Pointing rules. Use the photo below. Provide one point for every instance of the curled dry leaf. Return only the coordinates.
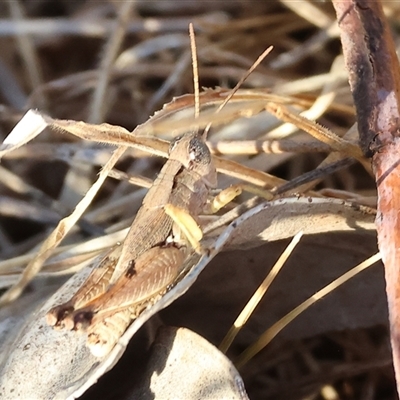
(283, 218)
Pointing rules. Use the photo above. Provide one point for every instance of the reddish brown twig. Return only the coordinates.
(375, 83)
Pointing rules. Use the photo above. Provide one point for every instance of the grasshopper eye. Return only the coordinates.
(199, 152)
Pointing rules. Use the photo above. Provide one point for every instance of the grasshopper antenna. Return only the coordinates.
(240, 83)
(195, 71)
(244, 77)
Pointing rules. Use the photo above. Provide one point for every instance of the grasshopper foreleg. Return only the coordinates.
(224, 197)
(188, 225)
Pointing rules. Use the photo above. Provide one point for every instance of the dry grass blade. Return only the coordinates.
(258, 295)
(319, 132)
(270, 334)
(195, 67)
(251, 175)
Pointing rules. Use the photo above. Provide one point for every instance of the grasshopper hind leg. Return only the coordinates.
(57, 315)
(106, 318)
(103, 335)
(94, 286)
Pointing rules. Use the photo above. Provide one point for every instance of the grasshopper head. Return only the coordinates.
(191, 151)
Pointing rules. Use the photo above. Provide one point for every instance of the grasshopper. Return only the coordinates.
(132, 276)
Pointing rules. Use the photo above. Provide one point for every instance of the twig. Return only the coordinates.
(375, 83)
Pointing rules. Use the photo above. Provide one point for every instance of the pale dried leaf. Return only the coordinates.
(183, 365)
(30, 126)
(283, 218)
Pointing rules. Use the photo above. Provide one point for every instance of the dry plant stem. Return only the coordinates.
(256, 63)
(269, 334)
(316, 174)
(195, 66)
(273, 146)
(59, 233)
(318, 131)
(170, 82)
(98, 110)
(95, 28)
(310, 46)
(368, 47)
(28, 51)
(10, 89)
(258, 295)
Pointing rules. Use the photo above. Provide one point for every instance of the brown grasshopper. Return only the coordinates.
(132, 276)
